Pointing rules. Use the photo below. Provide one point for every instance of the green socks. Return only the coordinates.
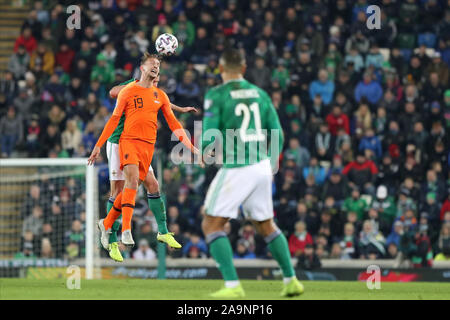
(156, 204)
(116, 225)
(279, 248)
(220, 249)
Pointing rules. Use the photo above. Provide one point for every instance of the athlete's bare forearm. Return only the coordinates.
(114, 92)
(174, 107)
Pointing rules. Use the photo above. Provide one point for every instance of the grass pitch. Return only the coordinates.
(136, 289)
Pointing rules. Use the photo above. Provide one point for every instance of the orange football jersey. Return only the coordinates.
(141, 106)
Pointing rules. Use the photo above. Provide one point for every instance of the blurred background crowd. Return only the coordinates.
(366, 115)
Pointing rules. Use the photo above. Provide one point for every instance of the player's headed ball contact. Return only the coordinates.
(166, 44)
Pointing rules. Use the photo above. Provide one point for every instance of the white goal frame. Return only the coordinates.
(91, 187)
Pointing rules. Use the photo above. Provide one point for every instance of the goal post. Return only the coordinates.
(17, 175)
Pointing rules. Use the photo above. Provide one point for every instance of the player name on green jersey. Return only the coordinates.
(115, 137)
(240, 119)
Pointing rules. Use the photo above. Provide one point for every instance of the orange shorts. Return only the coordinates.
(136, 152)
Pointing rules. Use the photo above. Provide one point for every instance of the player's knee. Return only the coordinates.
(152, 185)
(116, 188)
(204, 226)
(132, 182)
(207, 226)
(266, 227)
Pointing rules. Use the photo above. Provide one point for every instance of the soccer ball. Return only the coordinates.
(166, 44)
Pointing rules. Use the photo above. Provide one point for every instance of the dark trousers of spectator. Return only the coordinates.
(8, 143)
(33, 147)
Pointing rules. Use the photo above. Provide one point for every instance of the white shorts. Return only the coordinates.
(112, 152)
(249, 186)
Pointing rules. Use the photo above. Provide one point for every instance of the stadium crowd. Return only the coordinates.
(366, 115)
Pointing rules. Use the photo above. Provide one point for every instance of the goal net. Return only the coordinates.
(48, 209)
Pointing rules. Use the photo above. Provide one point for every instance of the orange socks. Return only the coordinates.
(114, 213)
(128, 201)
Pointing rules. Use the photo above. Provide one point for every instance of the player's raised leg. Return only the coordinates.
(131, 172)
(278, 246)
(114, 252)
(117, 181)
(221, 251)
(105, 224)
(156, 204)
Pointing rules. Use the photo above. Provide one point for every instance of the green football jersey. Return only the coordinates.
(243, 117)
(119, 129)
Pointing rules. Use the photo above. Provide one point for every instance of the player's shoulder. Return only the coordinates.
(161, 92)
(128, 82)
(261, 92)
(130, 87)
(216, 90)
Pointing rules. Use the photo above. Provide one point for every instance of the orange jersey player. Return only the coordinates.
(140, 102)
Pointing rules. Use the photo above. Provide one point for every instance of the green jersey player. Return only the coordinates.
(117, 180)
(243, 117)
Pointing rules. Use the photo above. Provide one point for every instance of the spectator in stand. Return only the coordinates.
(46, 249)
(322, 87)
(384, 204)
(259, 74)
(299, 239)
(188, 90)
(144, 252)
(308, 260)
(431, 207)
(49, 140)
(195, 242)
(18, 62)
(27, 247)
(64, 57)
(26, 40)
(71, 138)
(371, 242)
(443, 244)
(348, 243)
(8, 90)
(75, 240)
(42, 59)
(103, 72)
(32, 136)
(324, 143)
(355, 204)
(298, 153)
(336, 120)
(445, 206)
(33, 222)
(242, 250)
(368, 89)
(161, 27)
(363, 118)
(11, 132)
(438, 66)
(316, 170)
(336, 187)
(361, 173)
(371, 142)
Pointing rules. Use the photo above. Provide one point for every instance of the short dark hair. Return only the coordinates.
(232, 59)
(147, 56)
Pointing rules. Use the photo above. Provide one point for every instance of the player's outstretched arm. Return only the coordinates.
(177, 128)
(109, 128)
(183, 109)
(114, 92)
(106, 133)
